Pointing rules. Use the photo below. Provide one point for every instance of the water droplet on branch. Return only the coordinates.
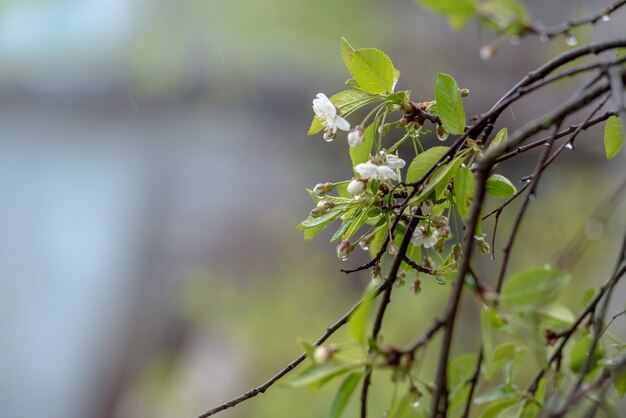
(571, 40)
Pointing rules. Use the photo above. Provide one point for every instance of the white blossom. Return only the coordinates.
(327, 112)
(424, 236)
(381, 168)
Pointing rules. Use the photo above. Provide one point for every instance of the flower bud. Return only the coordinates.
(344, 249)
(427, 207)
(316, 212)
(487, 52)
(355, 136)
(437, 221)
(457, 252)
(483, 246)
(321, 189)
(489, 295)
(464, 92)
(444, 232)
(442, 134)
(329, 135)
(324, 353)
(416, 286)
(376, 275)
(551, 336)
(392, 248)
(364, 243)
(417, 125)
(384, 129)
(356, 187)
(325, 205)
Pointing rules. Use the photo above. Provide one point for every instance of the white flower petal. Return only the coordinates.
(394, 161)
(384, 172)
(430, 241)
(341, 123)
(366, 170)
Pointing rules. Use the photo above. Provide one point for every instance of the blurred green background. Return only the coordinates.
(153, 163)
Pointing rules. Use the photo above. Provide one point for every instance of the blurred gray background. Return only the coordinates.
(153, 161)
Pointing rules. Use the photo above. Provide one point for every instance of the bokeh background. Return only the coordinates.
(153, 161)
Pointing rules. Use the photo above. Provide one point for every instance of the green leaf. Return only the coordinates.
(530, 288)
(377, 242)
(441, 177)
(361, 153)
(309, 349)
(423, 162)
(494, 410)
(500, 186)
(316, 375)
(506, 16)
(355, 214)
(580, 351)
(450, 171)
(489, 320)
(587, 296)
(501, 354)
(372, 70)
(559, 314)
(458, 12)
(403, 408)
(508, 357)
(347, 52)
(495, 394)
(357, 323)
(358, 223)
(464, 185)
(531, 410)
(461, 370)
(312, 226)
(449, 104)
(348, 101)
(343, 394)
(501, 136)
(399, 97)
(613, 137)
(316, 126)
(619, 381)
